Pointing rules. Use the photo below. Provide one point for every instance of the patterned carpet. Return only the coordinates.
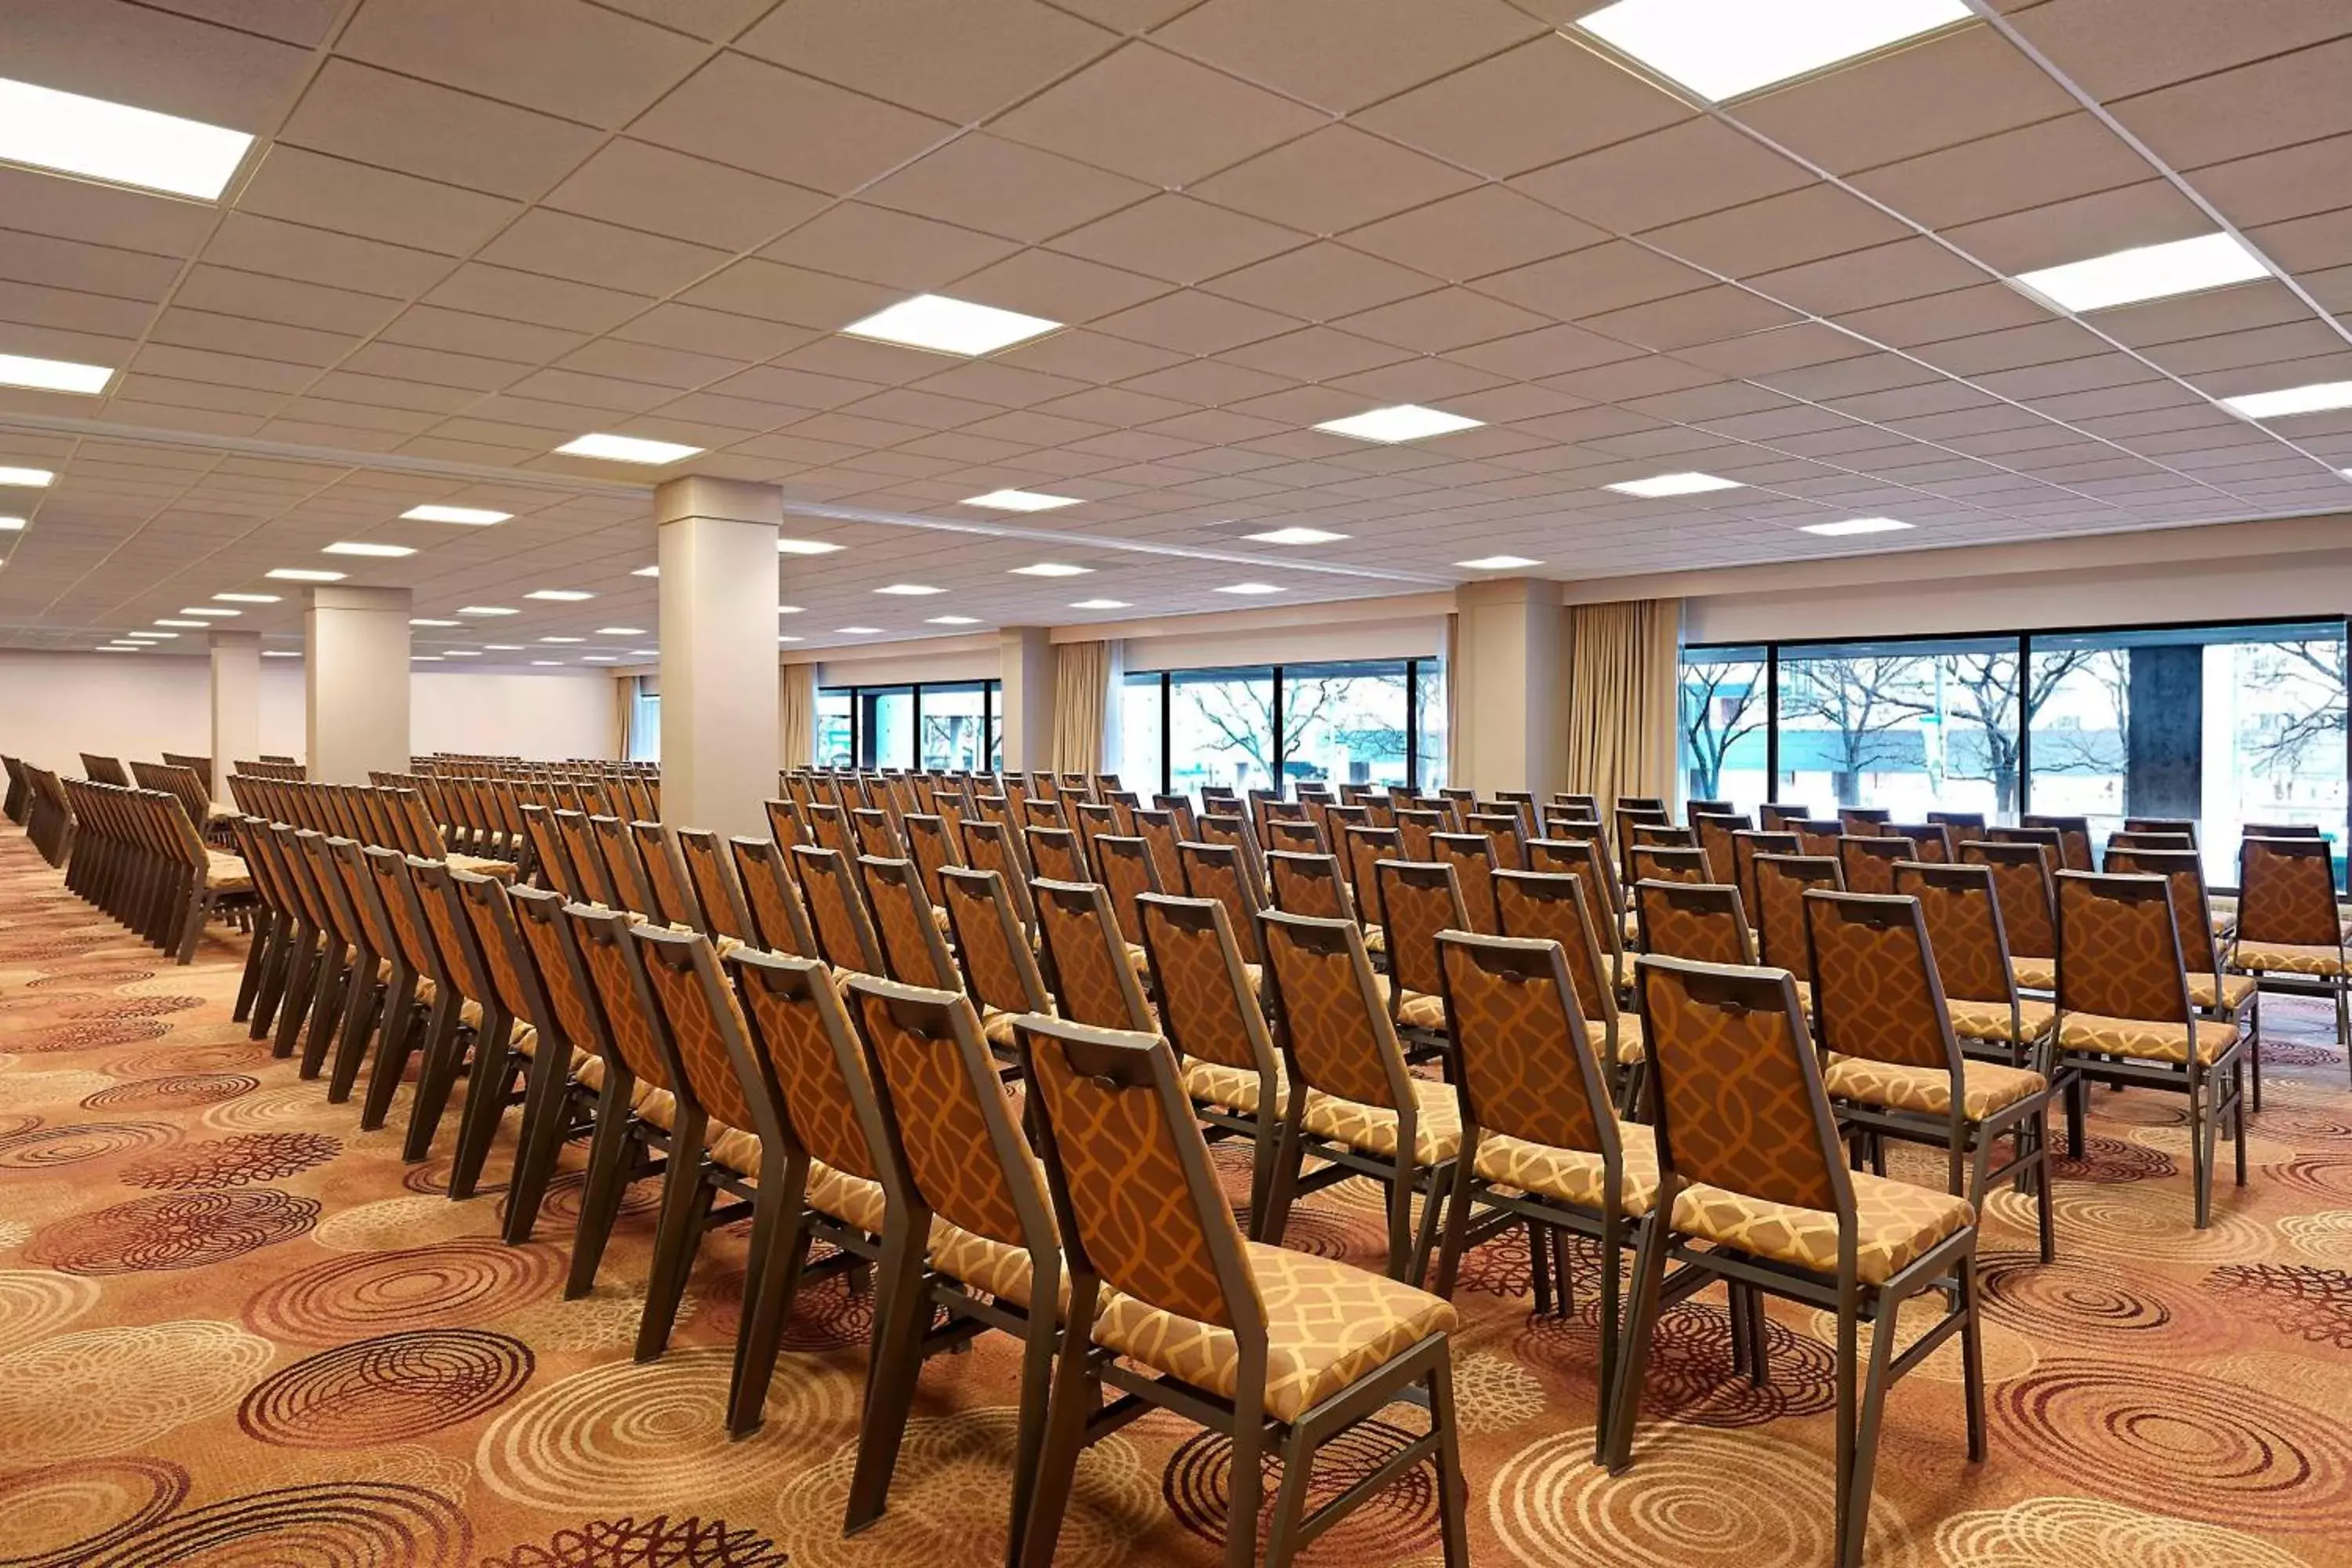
(234, 1330)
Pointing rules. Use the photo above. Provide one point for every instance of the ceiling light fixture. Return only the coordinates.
(1019, 500)
(600, 658)
(626, 449)
(1405, 422)
(781, 639)
(192, 626)
(207, 610)
(421, 621)
(949, 326)
(423, 659)
(909, 590)
(302, 575)
(1052, 569)
(858, 631)
(118, 647)
(564, 639)
(488, 610)
(953, 621)
(788, 609)
(504, 647)
(646, 572)
(1672, 485)
(797, 547)
(558, 595)
(2145, 272)
(1298, 536)
(1102, 605)
(1249, 588)
(2317, 398)
(361, 547)
(463, 652)
(1853, 525)
(546, 663)
(281, 653)
(247, 598)
(113, 142)
(1722, 48)
(620, 631)
(12, 525)
(473, 516)
(28, 478)
(1499, 563)
(54, 374)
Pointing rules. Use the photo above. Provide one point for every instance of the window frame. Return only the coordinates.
(1412, 666)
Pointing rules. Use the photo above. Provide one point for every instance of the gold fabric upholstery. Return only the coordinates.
(2035, 974)
(2227, 992)
(1985, 1086)
(1236, 1088)
(1574, 1176)
(1992, 1020)
(2144, 1040)
(2283, 958)
(1373, 1128)
(654, 1104)
(998, 1267)
(226, 873)
(1895, 1223)
(1631, 1047)
(1414, 1010)
(483, 866)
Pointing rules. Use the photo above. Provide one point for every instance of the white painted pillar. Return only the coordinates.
(1027, 700)
(355, 673)
(721, 687)
(236, 705)
(1509, 712)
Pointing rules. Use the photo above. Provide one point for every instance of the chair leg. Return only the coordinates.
(1434, 1199)
(608, 1177)
(1457, 1231)
(2238, 1114)
(1541, 1266)
(771, 1279)
(1453, 1494)
(1287, 1161)
(2044, 1221)
(1266, 1146)
(1972, 1355)
(392, 1050)
(294, 996)
(1853, 1513)
(444, 1053)
(546, 1117)
(1612, 1242)
(902, 1310)
(1282, 1540)
(2202, 1130)
(488, 1088)
(1246, 1486)
(686, 1189)
(1037, 1347)
(361, 1020)
(1625, 1399)
(1074, 1398)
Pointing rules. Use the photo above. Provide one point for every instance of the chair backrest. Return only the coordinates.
(658, 857)
(1472, 857)
(913, 950)
(772, 896)
(1218, 871)
(1333, 1031)
(1504, 838)
(616, 976)
(812, 1056)
(2182, 824)
(2074, 838)
(991, 847)
(1415, 824)
(1781, 883)
(1930, 841)
(1586, 859)
(1962, 915)
(991, 945)
(1208, 1008)
(828, 827)
(932, 842)
(2286, 892)
(845, 933)
(711, 875)
(2191, 912)
(2119, 948)
(587, 860)
(1364, 846)
(703, 1027)
(1744, 848)
(105, 770)
(1526, 1069)
(552, 949)
(488, 908)
(1816, 836)
(1084, 958)
(1418, 899)
(1234, 829)
(1288, 835)
(2049, 840)
(1775, 817)
(1868, 861)
(1310, 884)
(1875, 990)
(1736, 1087)
(1864, 821)
(1123, 865)
(1551, 906)
(1115, 1124)
(1704, 922)
(624, 868)
(1160, 833)
(1663, 863)
(1963, 824)
(2141, 838)
(1716, 829)
(876, 833)
(2021, 881)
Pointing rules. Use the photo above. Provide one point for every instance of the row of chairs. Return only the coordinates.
(136, 854)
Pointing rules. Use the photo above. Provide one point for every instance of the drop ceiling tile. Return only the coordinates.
(592, 391)
(1488, 229)
(1941, 318)
(1046, 284)
(1178, 239)
(1087, 355)
(1701, 317)
(1697, 166)
(527, 297)
(2278, 102)
(1503, 116)
(1320, 281)
(642, 186)
(557, 245)
(1774, 349)
(42, 203)
(2311, 243)
(879, 246)
(1218, 426)
(1427, 381)
(793, 128)
(1345, 53)
(1000, 385)
(1028, 428)
(1196, 323)
(1146, 113)
(2242, 308)
(986, 183)
(1336, 179)
(395, 123)
(314, 255)
(197, 365)
(2289, 342)
(2046, 342)
(799, 388)
(2107, 47)
(2149, 213)
(1207, 384)
(174, 65)
(559, 56)
(793, 295)
(960, 59)
(1442, 320)
(2033, 165)
(2037, 383)
(1847, 377)
(1591, 281)
(729, 413)
(35, 305)
(714, 20)
(1882, 274)
(422, 346)
(1315, 353)
(1553, 351)
(699, 331)
(233, 334)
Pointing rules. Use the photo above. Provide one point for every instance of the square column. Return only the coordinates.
(236, 705)
(1027, 672)
(355, 677)
(1509, 714)
(715, 541)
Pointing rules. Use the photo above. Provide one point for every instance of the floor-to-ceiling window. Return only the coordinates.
(1347, 723)
(1221, 730)
(1141, 764)
(837, 728)
(2220, 724)
(954, 727)
(1375, 721)
(940, 726)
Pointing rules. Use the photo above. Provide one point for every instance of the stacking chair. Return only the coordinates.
(1930, 841)
(876, 833)
(717, 892)
(1717, 831)
(1418, 899)
(1816, 836)
(2140, 838)
(990, 847)
(269, 948)
(909, 928)
(771, 899)
(1541, 1140)
(1414, 826)
(1752, 1179)
(1161, 835)
(1057, 854)
(1587, 861)
(1234, 831)
(1972, 951)
(483, 1038)
(2021, 881)
(1472, 857)
(580, 847)
(844, 932)
(991, 948)
(624, 868)
(1744, 848)
(373, 974)
(2049, 840)
(1864, 821)
(1546, 906)
(1961, 824)
(1291, 836)
(2212, 991)
(1222, 872)
(1503, 837)
(1310, 884)
(1894, 1066)
(1123, 865)
(668, 888)
(1352, 1102)
(2125, 1016)
(1868, 861)
(1667, 863)
(2290, 930)
(1275, 1349)
(1210, 1013)
(2074, 839)
(1704, 922)
(419, 1007)
(1083, 958)
(1776, 817)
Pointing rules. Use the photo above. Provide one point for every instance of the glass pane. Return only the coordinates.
(888, 732)
(952, 738)
(2223, 725)
(996, 726)
(1726, 712)
(833, 735)
(1221, 727)
(1907, 726)
(644, 729)
(1139, 760)
(1430, 675)
(1344, 723)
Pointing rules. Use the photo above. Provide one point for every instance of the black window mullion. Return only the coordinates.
(1281, 759)
(2025, 724)
(1772, 722)
(1412, 726)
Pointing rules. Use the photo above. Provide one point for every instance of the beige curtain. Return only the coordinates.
(1622, 672)
(1085, 682)
(625, 715)
(797, 726)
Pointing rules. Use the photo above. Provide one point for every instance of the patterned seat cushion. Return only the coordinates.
(658, 1105)
(1326, 1324)
(1376, 939)
(226, 873)
(1417, 1010)
(998, 1267)
(1992, 1020)
(1895, 1223)
(483, 866)
(2226, 991)
(1372, 1129)
(1630, 1047)
(996, 1028)
(1574, 1176)
(853, 1200)
(2144, 1040)
(1236, 1088)
(2281, 958)
(1985, 1086)
(2034, 974)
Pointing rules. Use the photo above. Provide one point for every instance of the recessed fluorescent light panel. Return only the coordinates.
(1405, 422)
(620, 631)
(564, 639)
(247, 598)
(303, 574)
(207, 610)
(646, 572)
(1499, 563)
(1020, 500)
(1052, 569)
(12, 524)
(420, 621)
(788, 610)
(783, 638)
(1298, 536)
(190, 626)
(1249, 588)
(488, 610)
(559, 595)
(504, 647)
(1672, 485)
(54, 374)
(1102, 605)
(462, 652)
(626, 449)
(2317, 398)
(783, 547)
(950, 326)
(28, 478)
(361, 547)
(2145, 272)
(858, 631)
(953, 621)
(545, 663)
(1722, 48)
(911, 590)
(281, 653)
(89, 136)
(473, 516)
(1846, 526)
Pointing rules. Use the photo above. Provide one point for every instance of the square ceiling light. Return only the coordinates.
(1847, 526)
(620, 631)
(474, 516)
(113, 142)
(1102, 605)
(207, 610)
(626, 449)
(1298, 536)
(247, 598)
(302, 575)
(1250, 589)
(362, 547)
(949, 326)
(488, 610)
(12, 525)
(558, 595)
(1405, 422)
(1051, 569)
(1659, 484)
(1722, 48)
(852, 631)
(1020, 501)
(2317, 398)
(952, 621)
(1499, 563)
(423, 621)
(28, 478)
(911, 590)
(783, 547)
(54, 374)
(2145, 272)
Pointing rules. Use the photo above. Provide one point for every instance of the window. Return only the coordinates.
(942, 724)
(1429, 690)
(1726, 706)
(1905, 726)
(1346, 723)
(1375, 721)
(836, 731)
(1142, 732)
(1221, 730)
(645, 722)
(954, 727)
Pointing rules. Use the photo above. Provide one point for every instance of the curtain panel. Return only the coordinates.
(1086, 677)
(1623, 665)
(796, 727)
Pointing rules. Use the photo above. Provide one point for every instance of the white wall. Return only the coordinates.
(54, 706)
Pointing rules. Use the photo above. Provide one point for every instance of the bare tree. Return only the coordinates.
(1723, 703)
(2066, 745)
(1980, 691)
(1859, 704)
(2311, 672)
(1240, 712)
